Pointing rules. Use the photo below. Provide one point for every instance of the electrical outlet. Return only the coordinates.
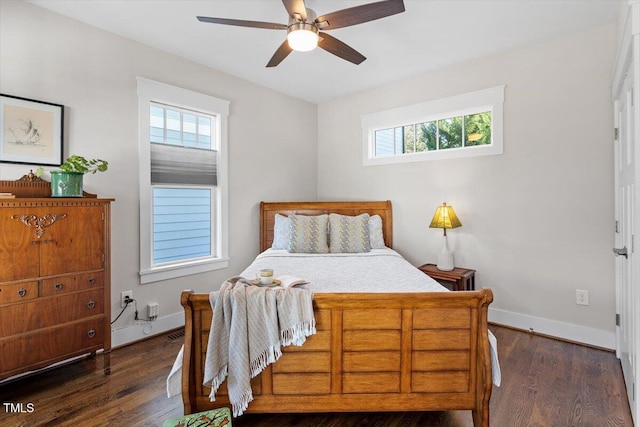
(123, 296)
(582, 297)
(153, 309)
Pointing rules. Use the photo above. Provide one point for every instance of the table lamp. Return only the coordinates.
(445, 218)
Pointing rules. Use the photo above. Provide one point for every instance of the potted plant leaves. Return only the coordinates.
(67, 181)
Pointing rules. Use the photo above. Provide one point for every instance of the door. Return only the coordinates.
(627, 295)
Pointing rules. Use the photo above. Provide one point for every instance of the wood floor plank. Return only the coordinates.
(545, 382)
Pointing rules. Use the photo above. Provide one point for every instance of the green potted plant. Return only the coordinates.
(67, 182)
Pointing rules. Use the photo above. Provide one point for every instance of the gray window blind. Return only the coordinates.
(171, 164)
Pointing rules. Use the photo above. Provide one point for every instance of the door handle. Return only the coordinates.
(622, 251)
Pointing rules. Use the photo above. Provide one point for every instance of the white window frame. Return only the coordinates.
(491, 99)
(152, 91)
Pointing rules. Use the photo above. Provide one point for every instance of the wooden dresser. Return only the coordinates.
(54, 281)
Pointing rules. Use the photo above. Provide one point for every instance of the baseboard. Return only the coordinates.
(145, 329)
(554, 328)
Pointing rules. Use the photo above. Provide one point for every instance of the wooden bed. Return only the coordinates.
(372, 352)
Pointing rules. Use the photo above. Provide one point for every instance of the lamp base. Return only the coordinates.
(445, 257)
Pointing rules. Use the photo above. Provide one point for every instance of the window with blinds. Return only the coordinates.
(183, 178)
(184, 214)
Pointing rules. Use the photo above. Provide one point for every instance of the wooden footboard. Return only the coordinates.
(372, 352)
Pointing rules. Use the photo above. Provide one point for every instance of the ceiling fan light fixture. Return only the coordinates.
(302, 36)
(306, 30)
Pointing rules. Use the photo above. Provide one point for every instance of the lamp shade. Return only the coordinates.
(445, 217)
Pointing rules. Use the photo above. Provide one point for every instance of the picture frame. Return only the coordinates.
(31, 131)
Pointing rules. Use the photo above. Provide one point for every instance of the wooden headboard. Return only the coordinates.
(268, 211)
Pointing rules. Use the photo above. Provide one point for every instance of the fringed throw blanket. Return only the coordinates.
(249, 326)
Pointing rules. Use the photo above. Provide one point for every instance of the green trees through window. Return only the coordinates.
(443, 134)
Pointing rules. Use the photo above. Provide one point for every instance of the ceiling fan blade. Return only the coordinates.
(296, 7)
(359, 14)
(243, 23)
(338, 48)
(282, 52)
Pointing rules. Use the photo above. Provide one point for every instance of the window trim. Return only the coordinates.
(491, 99)
(152, 91)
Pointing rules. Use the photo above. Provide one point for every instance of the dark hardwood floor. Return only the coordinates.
(544, 383)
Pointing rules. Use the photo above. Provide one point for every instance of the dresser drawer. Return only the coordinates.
(44, 312)
(71, 282)
(42, 347)
(17, 292)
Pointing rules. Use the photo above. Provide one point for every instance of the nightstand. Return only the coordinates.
(458, 279)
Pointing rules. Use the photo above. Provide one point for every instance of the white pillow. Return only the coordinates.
(281, 232)
(375, 232)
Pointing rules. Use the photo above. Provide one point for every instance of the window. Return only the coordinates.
(453, 132)
(461, 126)
(183, 194)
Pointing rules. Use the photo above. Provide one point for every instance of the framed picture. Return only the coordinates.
(31, 131)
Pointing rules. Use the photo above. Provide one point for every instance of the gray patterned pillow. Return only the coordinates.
(349, 233)
(281, 232)
(375, 232)
(309, 234)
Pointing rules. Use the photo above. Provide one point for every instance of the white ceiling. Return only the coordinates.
(429, 35)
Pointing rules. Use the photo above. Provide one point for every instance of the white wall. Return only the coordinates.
(537, 220)
(48, 57)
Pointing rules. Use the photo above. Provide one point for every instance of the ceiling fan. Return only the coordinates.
(304, 27)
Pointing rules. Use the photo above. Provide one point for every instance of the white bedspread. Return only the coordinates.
(381, 270)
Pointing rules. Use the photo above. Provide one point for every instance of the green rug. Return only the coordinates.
(220, 417)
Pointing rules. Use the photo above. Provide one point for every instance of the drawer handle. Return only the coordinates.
(91, 304)
(58, 286)
(22, 292)
(91, 281)
(91, 333)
